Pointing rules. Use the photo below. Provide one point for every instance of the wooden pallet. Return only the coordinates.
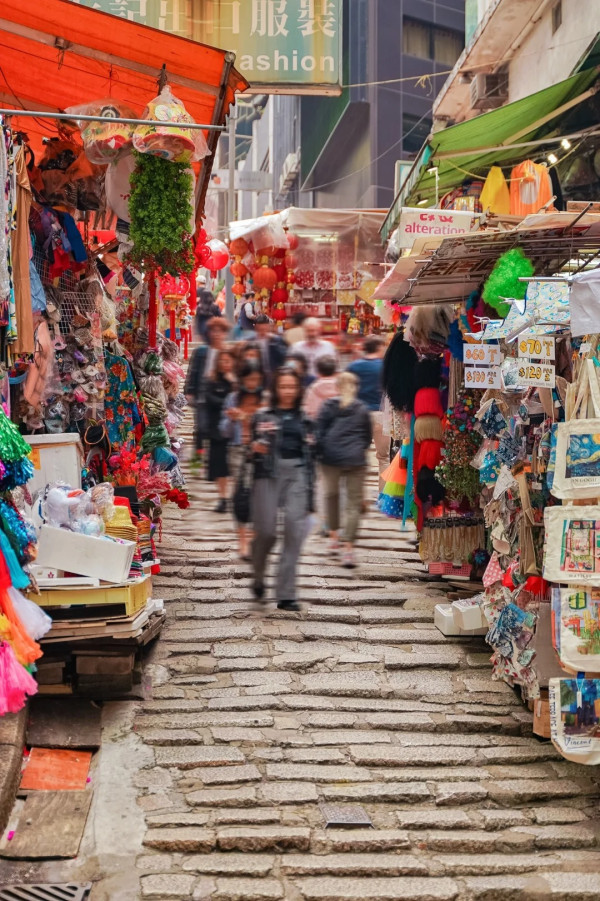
(127, 599)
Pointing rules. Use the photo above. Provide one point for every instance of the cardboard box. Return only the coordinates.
(541, 716)
(468, 615)
(84, 555)
(444, 620)
(134, 596)
(55, 458)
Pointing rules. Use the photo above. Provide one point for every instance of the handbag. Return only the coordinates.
(572, 545)
(242, 495)
(577, 465)
(575, 718)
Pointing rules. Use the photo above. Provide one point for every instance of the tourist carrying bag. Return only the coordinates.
(575, 718)
(577, 466)
(572, 545)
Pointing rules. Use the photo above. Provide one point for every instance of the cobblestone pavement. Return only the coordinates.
(258, 719)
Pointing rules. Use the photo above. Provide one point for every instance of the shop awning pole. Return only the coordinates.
(70, 117)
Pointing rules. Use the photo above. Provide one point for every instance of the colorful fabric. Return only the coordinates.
(121, 408)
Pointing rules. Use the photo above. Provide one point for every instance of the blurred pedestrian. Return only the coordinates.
(202, 363)
(249, 352)
(247, 316)
(298, 361)
(314, 346)
(283, 479)
(236, 426)
(343, 437)
(220, 383)
(272, 348)
(369, 371)
(323, 388)
(206, 310)
(297, 332)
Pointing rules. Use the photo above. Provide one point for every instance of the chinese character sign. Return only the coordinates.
(279, 44)
(164, 14)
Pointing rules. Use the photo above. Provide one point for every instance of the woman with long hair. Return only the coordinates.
(283, 480)
(236, 426)
(344, 434)
(219, 385)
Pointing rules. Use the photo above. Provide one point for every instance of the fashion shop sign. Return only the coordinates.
(418, 223)
(281, 46)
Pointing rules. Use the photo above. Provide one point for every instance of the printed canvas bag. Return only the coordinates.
(572, 545)
(575, 718)
(577, 466)
(579, 629)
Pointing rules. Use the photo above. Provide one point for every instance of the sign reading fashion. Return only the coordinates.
(280, 45)
(418, 223)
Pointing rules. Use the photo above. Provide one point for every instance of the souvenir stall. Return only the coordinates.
(91, 384)
(325, 263)
(508, 491)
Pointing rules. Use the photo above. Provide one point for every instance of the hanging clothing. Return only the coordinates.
(530, 188)
(121, 409)
(21, 252)
(495, 196)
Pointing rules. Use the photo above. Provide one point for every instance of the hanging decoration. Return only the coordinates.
(504, 281)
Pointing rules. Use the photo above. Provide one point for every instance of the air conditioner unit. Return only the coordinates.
(489, 91)
(289, 172)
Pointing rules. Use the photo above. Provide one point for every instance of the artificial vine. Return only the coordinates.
(159, 206)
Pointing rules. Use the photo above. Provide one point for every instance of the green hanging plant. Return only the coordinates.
(159, 206)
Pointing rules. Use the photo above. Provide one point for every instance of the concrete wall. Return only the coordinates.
(543, 58)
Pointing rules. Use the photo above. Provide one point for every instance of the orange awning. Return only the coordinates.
(55, 54)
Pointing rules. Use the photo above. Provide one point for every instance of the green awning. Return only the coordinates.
(472, 147)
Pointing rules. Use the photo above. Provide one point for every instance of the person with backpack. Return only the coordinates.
(206, 310)
(344, 434)
(202, 363)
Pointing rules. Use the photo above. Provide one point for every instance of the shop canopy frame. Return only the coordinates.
(504, 137)
(55, 54)
(448, 270)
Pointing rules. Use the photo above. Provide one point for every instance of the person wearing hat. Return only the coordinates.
(202, 364)
(247, 316)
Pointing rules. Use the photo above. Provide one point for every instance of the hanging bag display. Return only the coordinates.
(572, 544)
(577, 466)
(575, 718)
(579, 629)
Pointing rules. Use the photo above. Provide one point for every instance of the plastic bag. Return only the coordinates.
(118, 188)
(180, 145)
(36, 622)
(104, 141)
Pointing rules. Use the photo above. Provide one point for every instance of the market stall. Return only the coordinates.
(106, 140)
(325, 263)
(497, 394)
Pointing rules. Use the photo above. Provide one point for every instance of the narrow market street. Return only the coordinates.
(257, 721)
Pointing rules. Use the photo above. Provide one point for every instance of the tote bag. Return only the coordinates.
(575, 718)
(577, 466)
(579, 629)
(572, 545)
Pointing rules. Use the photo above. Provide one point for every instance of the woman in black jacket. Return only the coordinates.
(219, 385)
(344, 435)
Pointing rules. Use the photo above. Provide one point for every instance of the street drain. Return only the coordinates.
(46, 892)
(350, 816)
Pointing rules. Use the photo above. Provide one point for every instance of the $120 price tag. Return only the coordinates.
(540, 375)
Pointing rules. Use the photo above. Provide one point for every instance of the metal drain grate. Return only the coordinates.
(45, 892)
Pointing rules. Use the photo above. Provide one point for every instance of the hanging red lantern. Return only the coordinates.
(265, 278)
(238, 289)
(219, 255)
(238, 247)
(293, 241)
(238, 269)
(291, 261)
(279, 295)
(281, 272)
(278, 313)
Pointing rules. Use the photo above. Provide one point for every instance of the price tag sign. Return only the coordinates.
(538, 375)
(483, 377)
(538, 348)
(482, 355)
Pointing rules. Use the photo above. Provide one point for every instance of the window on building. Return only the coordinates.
(415, 132)
(428, 41)
(556, 16)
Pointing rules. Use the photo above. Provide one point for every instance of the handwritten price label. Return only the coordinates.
(483, 377)
(482, 355)
(537, 375)
(538, 348)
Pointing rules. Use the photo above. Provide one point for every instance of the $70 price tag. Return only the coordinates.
(540, 348)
